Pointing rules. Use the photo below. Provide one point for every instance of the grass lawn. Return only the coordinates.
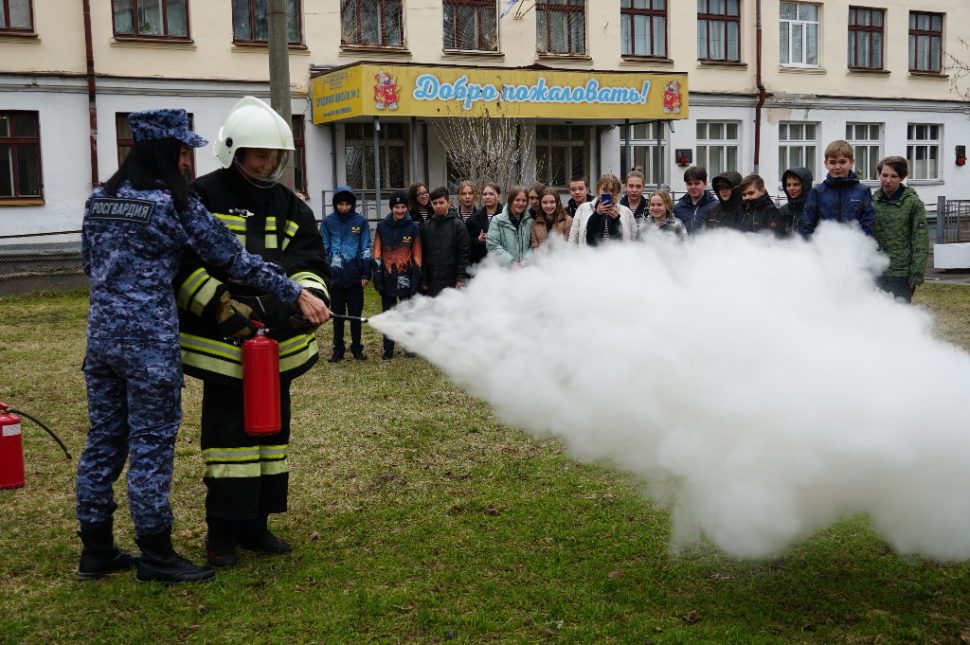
(417, 517)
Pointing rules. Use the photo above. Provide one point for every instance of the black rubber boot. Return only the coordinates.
(99, 555)
(220, 542)
(254, 535)
(159, 561)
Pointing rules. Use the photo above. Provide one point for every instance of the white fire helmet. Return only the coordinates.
(251, 123)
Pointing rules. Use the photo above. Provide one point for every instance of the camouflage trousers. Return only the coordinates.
(134, 404)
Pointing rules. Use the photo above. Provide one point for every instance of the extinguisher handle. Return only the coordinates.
(4, 407)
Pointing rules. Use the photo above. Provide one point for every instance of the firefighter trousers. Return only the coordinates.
(245, 476)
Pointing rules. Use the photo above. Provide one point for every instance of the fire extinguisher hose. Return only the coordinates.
(48, 430)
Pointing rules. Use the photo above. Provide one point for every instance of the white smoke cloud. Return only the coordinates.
(761, 389)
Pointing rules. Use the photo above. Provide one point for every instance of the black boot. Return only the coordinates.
(255, 536)
(220, 542)
(99, 555)
(160, 562)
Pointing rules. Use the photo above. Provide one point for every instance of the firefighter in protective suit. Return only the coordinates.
(246, 477)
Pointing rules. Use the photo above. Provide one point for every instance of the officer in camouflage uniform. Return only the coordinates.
(247, 477)
(135, 227)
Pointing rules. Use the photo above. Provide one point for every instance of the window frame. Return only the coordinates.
(859, 32)
(725, 19)
(803, 27)
(297, 13)
(15, 141)
(570, 144)
(133, 7)
(703, 143)
(544, 10)
(647, 148)
(628, 23)
(868, 150)
(359, 6)
(366, 143)
(803, 143)
(298, 126)
(126, 142)
(15, 31)
(915, 34)
(930, 144)
(452, 41)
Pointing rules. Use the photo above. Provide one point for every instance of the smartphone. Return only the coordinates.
(606, 199)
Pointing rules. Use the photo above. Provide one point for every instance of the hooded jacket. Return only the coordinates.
(726, 213)
(507, 242)
(346, 241)
(694, 215)
(397, 257)
(476, 224)
(900, 229)
(791, 213)
(840, 199)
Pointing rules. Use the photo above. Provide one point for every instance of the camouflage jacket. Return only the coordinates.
(900, 229)
(131, 247)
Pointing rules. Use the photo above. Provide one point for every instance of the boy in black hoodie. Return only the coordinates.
(726, 213)
(759, 211)
(796, 182)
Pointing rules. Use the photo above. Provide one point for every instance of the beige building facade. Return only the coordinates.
(873, 72)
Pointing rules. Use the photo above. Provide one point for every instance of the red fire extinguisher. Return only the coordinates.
(12, 448)
(261, 384)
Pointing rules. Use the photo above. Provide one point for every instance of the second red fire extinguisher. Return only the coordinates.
(261, 384)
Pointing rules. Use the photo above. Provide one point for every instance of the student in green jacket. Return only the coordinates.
(900, 229)
(510, 234)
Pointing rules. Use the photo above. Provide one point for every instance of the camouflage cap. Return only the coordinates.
(161, 124)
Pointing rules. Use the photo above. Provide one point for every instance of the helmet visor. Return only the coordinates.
(264, 166)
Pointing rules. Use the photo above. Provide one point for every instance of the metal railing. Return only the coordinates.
(952, 220)
(41, 262)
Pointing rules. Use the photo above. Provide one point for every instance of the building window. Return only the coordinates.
(644, 27)
(865, 38)
(359, 155)
(643, 151)
(166, 18)
(20, 155)
(797, 145)
(299, 156)
(16, 15)
(125, 142)
(560, 154)
(561, 26)
(798, 35)
(925, 41)
(250, 23)
(923, 150)
(471, 25)
(719, 31)
(371, 22)
(866, 140)
(718, 145)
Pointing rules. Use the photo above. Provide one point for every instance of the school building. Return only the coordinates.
(596, 86)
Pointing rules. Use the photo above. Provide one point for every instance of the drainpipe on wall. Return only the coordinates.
(762, 94)
(92, 93)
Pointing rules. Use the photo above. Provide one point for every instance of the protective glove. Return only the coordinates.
(233, 318)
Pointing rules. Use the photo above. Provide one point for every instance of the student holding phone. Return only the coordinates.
(604, 219)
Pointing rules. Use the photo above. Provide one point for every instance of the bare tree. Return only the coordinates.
(485, 149)
(958, 67)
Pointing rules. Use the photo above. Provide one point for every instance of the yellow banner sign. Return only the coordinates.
(366, 89)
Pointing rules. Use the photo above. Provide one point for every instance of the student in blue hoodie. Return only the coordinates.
(346, 242)
(841, 197)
